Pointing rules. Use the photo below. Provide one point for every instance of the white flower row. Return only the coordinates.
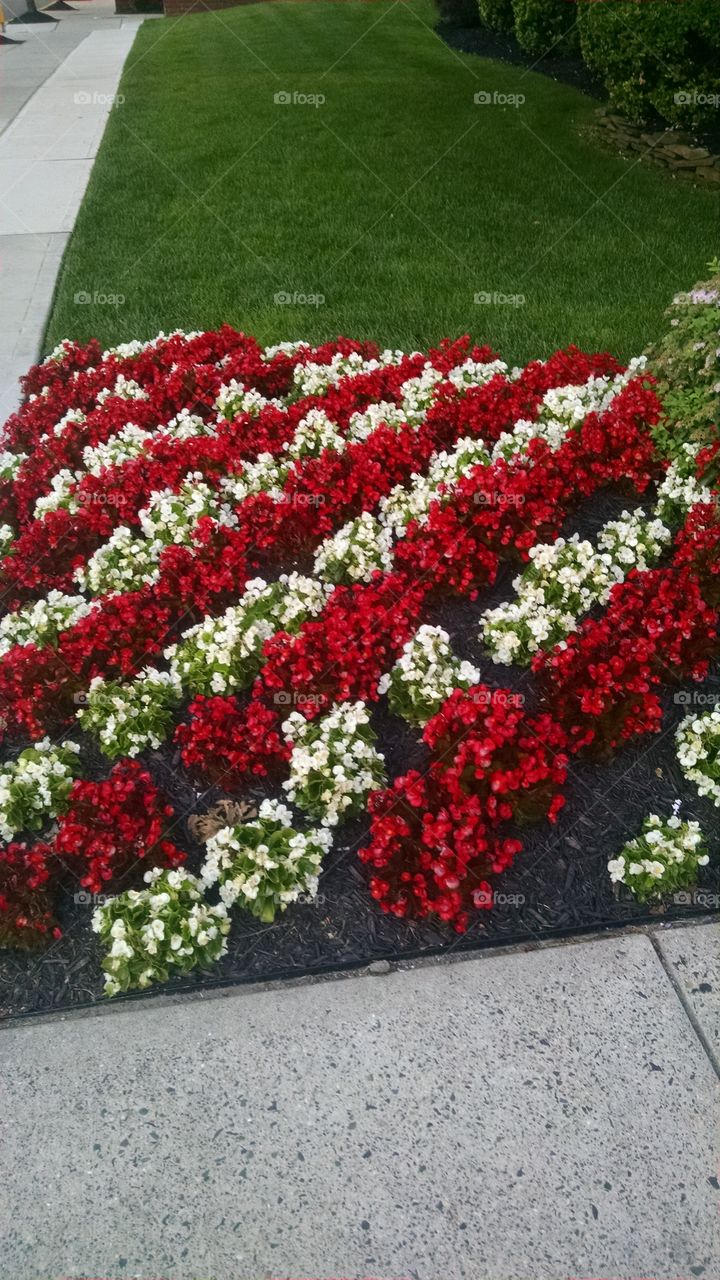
(221, 655)
(359, 549)
(42, 622)
(265, 864)
(127, 718)
(333, 765)
(565, 579)
(171, 516)
(698, 752)
(35, 786)
(167, 927)
(425, 675)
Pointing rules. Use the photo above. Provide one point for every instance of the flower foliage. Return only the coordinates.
(236, 552)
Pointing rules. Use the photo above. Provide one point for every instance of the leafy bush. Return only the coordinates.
(659, 58)
(496, 14)
(685, 361)
(544, 26)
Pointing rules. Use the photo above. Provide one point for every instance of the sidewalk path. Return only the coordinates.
(516, 1116)
(56, 91)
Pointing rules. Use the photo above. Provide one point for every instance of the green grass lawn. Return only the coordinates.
(398, 199)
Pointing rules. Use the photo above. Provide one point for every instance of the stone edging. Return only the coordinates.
(670, 147)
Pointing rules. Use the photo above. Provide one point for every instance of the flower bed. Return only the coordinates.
(428, 601)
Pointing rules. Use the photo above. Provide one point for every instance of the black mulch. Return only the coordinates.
(558, 886)
(505, 48)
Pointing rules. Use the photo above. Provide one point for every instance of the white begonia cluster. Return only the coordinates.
(7, 537)
(10, 464)
(474, 373)
(127, 443)
(35, 786)
(565, 579)
(562, 410)
(312, 379)
(513, 444)
(265, 864)
(663, 858)
(418, 393)
(128, 717)
(446, 468)
(680, 490)
(124, 388)
(383, 413)
(698, 752)
(313, 433)
(234, 397)
(221, 655)
(283, 348)
(187, 426)
(73, 418)
(166, 928)
(264, 475)
(125, 562)
(60, 493)
(171, 516)
(333, 764)
(425, 675)
(359, 549)
(41, 623)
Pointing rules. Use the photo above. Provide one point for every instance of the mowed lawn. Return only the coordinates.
(381, 199)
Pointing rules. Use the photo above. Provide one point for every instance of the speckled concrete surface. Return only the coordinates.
(533, 1116)
(693, 954)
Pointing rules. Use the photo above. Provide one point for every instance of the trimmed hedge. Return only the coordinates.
(546, 26)
(656, 56)
(496, 14)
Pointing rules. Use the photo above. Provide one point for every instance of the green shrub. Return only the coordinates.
(496, 14)
(545, 26)
(656, 56)
(687, 367)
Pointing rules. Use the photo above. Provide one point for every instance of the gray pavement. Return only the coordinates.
(57, 89)
(534, 1115)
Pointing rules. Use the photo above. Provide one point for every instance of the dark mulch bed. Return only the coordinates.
(558, 886)
(505, 48)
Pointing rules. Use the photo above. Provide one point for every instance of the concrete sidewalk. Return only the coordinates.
(57, 89)
(533, 1115)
